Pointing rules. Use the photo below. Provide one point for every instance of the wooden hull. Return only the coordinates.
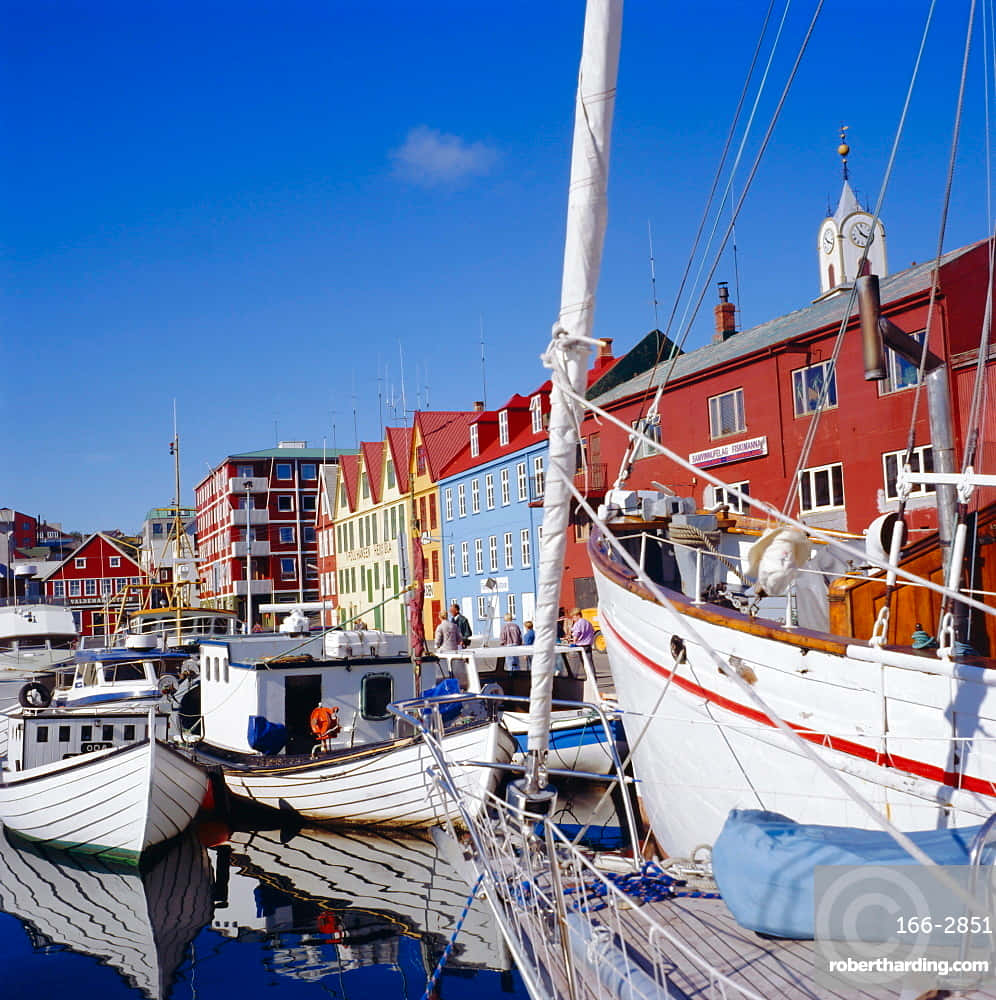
(386, 783)
(908, 730)
(114, 803)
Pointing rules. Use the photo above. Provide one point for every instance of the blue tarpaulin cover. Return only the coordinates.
(763, 864)
(265, 736)
(449, 685)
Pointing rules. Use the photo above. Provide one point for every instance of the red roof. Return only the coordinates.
(373, 462)
(520, 435)
(444, 433)
(399, 440)
(349, 466)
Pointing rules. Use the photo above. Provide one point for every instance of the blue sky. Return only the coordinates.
(253, 209)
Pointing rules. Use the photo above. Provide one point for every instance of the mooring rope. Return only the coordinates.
(444, 958)
(650, 884)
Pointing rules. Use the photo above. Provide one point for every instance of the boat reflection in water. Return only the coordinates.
(140, 921)
(330, 901)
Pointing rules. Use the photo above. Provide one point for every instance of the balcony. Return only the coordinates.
(258, 587)
(238, 517)
(238, 484)
(238, 550)
(594, 481)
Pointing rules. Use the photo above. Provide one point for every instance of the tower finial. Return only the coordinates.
(843, 149)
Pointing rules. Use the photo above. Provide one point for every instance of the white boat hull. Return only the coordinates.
(386, 783)
(702, 746)
(114, 803)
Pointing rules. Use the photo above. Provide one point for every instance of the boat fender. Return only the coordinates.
(325, 722)
(34, 695)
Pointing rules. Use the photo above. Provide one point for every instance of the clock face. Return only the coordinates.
(828, 240)
(861, 234)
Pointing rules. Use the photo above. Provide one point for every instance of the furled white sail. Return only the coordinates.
(569, 350)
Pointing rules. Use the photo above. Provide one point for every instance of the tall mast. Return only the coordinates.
(568, 353)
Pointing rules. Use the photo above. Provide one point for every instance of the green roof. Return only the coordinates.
(321, 453)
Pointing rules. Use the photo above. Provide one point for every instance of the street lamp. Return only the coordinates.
(247, 486)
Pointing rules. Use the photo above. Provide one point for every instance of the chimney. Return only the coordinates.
(726, 316)
(605, 347)
(479, 406)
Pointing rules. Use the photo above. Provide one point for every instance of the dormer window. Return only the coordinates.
(503, 427)
(475, 446)
(536, 412)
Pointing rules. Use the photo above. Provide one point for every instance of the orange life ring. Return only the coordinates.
(325, 722)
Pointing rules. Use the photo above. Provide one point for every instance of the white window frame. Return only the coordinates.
(462, 500)
(448, 502)
(475, 441)
(510, 605)
(503, 427)
(723, 422)
(451, 559)
(475, 496)
(285, 534)
(482, 608)
(289, 498)
(74, 588)
(114, 561)
(290, 574)
(58, 588)
(478, 555)
(90, 587)
(536, 413)
(106, 586)
(916, 465)
(539, 476)
(651, 428)
(898, 369)
(509, 551)
(506, 493)
(808, 481)
(522, 480)
(465, 558)
(720, 495)
(489, 490)
(804, 396)
(80, 562)
(289, 466)
(526, 547)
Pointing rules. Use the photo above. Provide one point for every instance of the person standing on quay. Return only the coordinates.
(582, 632)
(461, 623)
(447, 638)
(511, 635)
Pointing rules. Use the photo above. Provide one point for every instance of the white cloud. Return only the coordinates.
(429, 156)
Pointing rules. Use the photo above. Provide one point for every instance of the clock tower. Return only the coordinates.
(851, 242)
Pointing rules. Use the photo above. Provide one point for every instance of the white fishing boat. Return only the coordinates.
(36, 637)
(301, 723)
(139, 921)
(581, 738)
(103, 782)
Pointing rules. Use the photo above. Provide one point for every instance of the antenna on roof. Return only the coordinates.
(653, 276)
(356, 429)
(404, 399)
(484, 373)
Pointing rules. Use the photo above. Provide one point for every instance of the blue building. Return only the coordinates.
(489, 499)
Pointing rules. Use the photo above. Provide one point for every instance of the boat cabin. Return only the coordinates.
(101, 676)
(37, 737)
(35, 636)
(258, 692)
(178, 628)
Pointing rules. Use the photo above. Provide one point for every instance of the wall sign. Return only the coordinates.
(726, 453)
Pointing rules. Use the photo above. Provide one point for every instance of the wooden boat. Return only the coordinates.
(99, 782)
(259, 696)
(579, 740)
(140, 921)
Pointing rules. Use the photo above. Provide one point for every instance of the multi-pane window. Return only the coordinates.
(391, 480)
(506, 497)
(493, 552)
(74, 588)
(464, 558)
(451, 559)
(106, 587)
(524, 543)
(489, 490)
(478, 555)
(448, 503)
(821, 488)
(651, 428)
(814, 388)
(900, 373)
(726, 414)
(503, 427)
(482, 609)
(286, 536)
(510, 604)
(59, 588)
(288, 569)
(509, 552)
(115, 562)
(475, 441)
(475, 496)
(90, 588)
(80, 563)
(521, 481)
(922, 460)
(536, 413)
(364, 484)
(462, 500)
(539, 480)
(722, 496)
(245, 471)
